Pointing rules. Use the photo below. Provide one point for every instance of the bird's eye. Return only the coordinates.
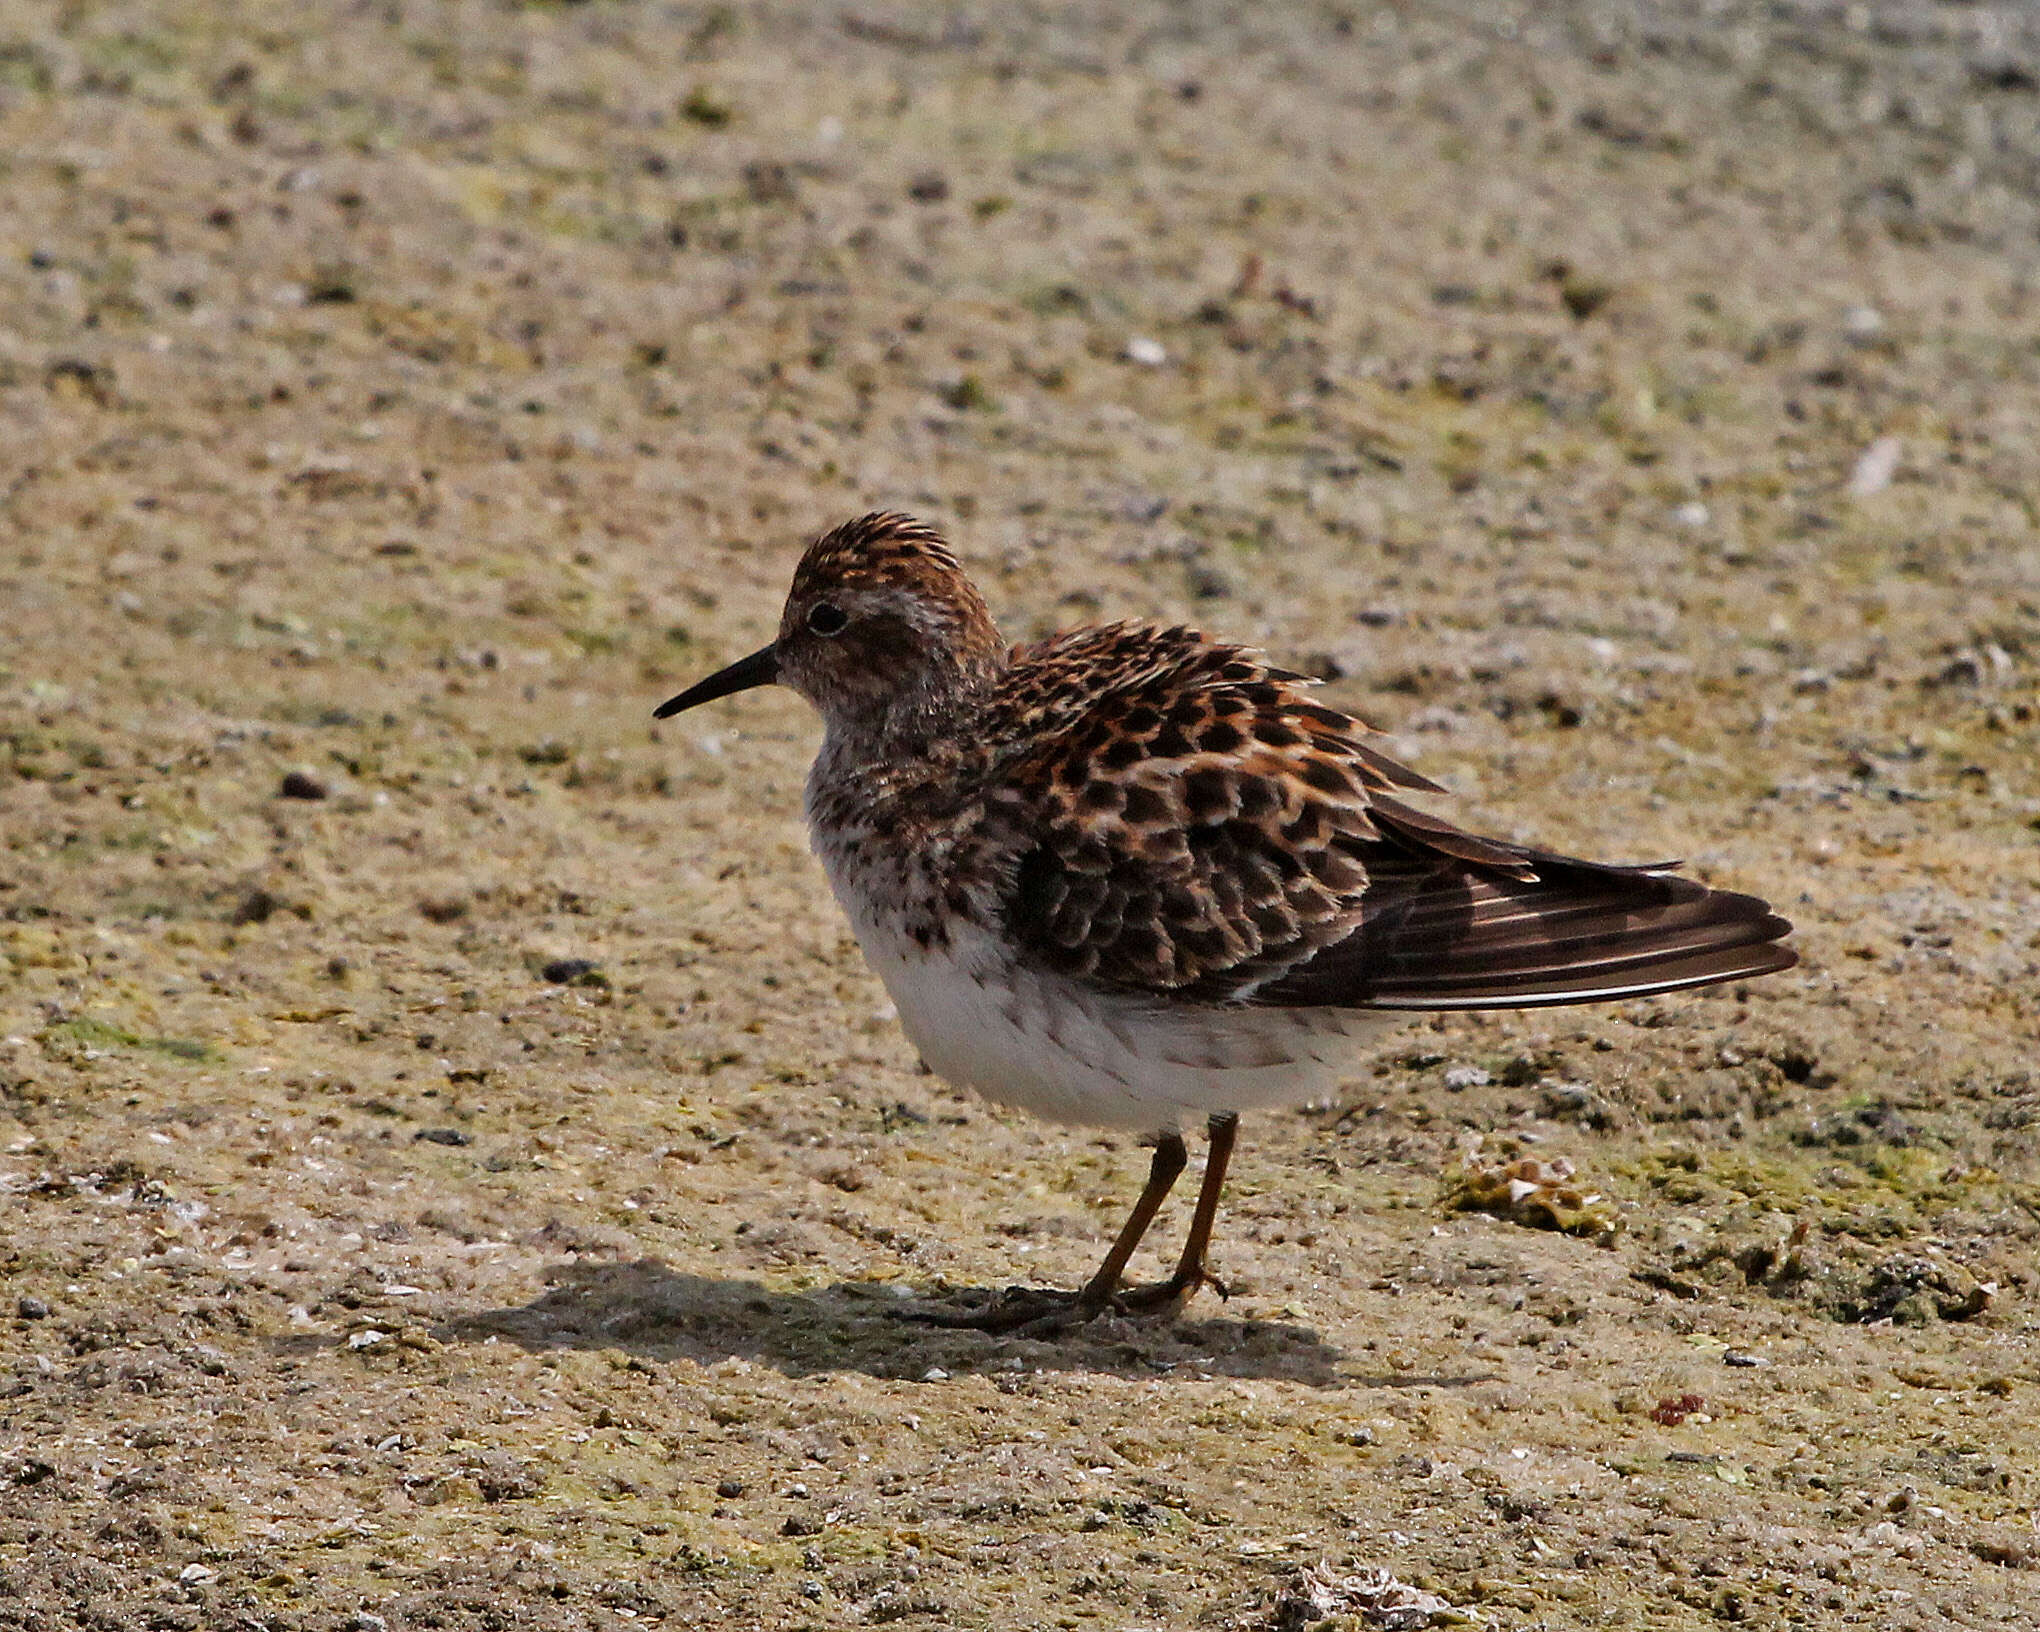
(825, 618)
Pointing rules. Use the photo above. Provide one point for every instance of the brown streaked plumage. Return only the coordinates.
(1130, 873)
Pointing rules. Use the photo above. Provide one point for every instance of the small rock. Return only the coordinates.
(730, 1489)
(1973, 668)
(801, 1524)
(1999, 69)
(769, 182)
(501, 1477)
(934, 1374)
(1875, 469)
(301, 785)
(442, 1136)
(1148, 353)
(1862, 323)
(1911, 1290)
(1695, 515)
(929, 187)
(1742, 1357)
(966, 394)
(1574, 1101)
(1583, 296)
(1467, 1076)
(258, 906)
(569, 971)
(1373, 1597)
(32, 1308)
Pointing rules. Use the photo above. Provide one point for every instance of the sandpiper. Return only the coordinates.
(1131, 874)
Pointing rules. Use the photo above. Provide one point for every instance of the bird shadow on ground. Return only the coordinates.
(659, 1313)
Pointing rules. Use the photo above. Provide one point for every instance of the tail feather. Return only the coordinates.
(1457, 925)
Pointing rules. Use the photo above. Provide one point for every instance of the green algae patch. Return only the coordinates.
(1872, 1193)
(76, 1039)
(1846, 1235)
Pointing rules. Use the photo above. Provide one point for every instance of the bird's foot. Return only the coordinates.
(1167, 1297)
(1033, 1311)
(1027, 1311)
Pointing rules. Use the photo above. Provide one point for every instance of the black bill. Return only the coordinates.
(761, 668)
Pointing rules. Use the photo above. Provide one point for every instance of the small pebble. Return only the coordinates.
(934, 1374)
(1694, 515)
(1742, 1357)
(32, 1309)
(565, 971)
(301, 785)
(1560, 1097)
(1148, 353)
(730, 1489)
(442, 1136)
(1467, 1076)
(1875, 469)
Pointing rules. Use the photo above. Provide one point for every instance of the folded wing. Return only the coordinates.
(1206, 831)
(1438, 931)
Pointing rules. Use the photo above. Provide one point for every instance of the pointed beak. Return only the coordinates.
(761, 668)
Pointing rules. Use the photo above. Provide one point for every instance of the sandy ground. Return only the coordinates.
(455, 1169)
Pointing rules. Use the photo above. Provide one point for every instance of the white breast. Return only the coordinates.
(1048, 1044)
(1073, 1054)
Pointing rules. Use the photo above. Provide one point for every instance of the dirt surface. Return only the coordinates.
(455, 1168)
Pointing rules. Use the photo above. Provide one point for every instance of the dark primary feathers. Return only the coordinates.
(1193, 825)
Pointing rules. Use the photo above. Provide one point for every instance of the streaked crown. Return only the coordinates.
(881, 625)
(884, 547)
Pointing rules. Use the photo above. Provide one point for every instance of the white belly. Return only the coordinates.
(1073, 1054)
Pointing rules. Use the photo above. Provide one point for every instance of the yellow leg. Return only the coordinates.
(1170, 1160)
(1191, 1272)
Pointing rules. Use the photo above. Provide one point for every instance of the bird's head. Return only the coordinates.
(881, 629)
